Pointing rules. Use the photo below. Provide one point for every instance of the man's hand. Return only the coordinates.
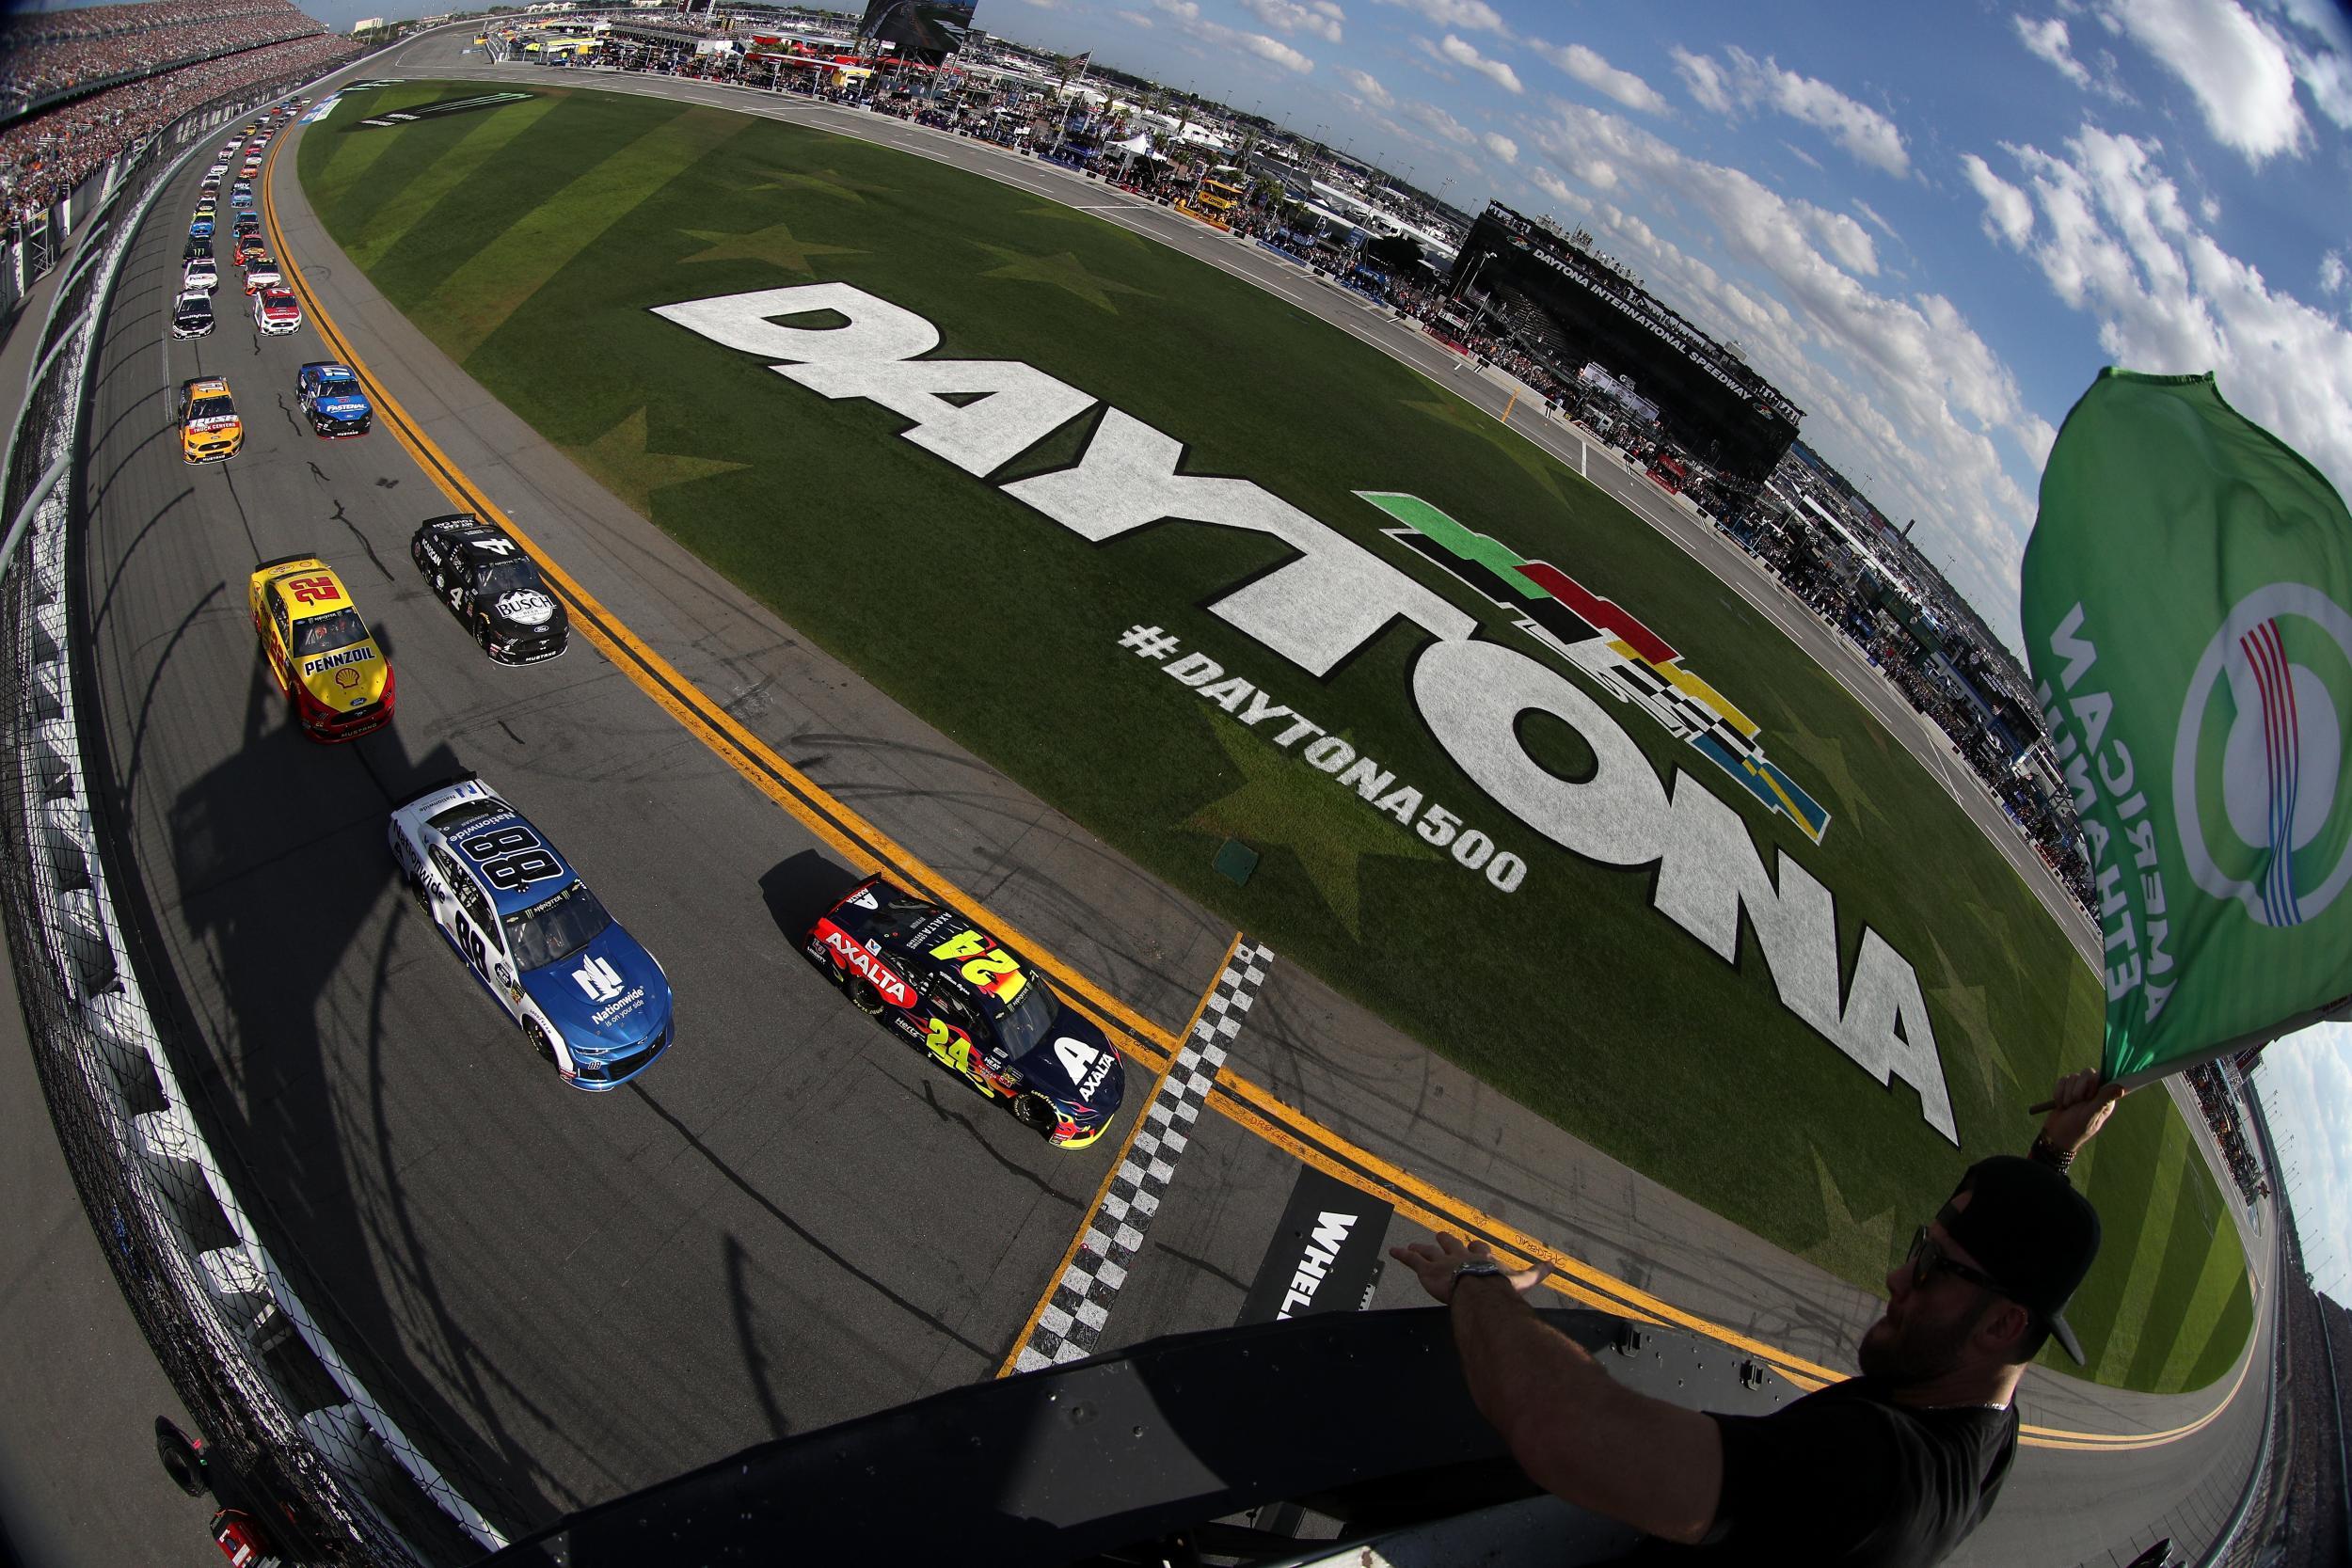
(2079, 1108)
(1433, 1264)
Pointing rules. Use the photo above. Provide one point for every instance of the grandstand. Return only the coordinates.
(81, 85)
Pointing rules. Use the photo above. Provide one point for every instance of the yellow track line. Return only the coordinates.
(864, 844)
(1094, 1203)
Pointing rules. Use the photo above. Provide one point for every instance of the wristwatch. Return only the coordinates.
(1478, 1268)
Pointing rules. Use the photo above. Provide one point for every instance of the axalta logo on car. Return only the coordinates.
(875, 973)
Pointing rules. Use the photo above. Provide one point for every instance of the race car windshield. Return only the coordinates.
(323, 634)
(1028, 1020)
(507, 577)
(212, 408)
(556, 927)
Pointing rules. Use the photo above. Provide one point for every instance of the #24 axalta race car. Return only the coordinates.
(943, 984)
(492, 588)
(586, 994)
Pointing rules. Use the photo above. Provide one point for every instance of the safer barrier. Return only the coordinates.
(275, 1399)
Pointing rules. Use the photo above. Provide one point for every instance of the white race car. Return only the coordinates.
(276, 312)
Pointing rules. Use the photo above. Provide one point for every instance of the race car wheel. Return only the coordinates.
(182, 1463)
(540, 1042)
(1036, 1113)
(417, 892)
(865, 998)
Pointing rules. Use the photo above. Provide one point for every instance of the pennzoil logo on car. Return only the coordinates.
(324, 662)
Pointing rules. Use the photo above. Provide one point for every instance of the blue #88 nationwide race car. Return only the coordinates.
(933, 978)
(586, 994)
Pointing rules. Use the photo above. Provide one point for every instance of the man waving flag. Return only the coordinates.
(2187, 606)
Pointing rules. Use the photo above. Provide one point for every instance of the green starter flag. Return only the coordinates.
(2187, 606)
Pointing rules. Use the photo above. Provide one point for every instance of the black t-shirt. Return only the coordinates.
(1844, 1477)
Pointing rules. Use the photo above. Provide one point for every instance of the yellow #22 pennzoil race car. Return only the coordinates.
(319, 650)
(941, 983)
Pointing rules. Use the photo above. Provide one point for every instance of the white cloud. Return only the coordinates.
(1558, 190)
(1807, 159)
(1842, 238)
(1367, 87)
(1457, 50)
(2327, 75)
(1136, 17)
(1744, 82)
(1896, 386)
(1705, 78)
(1474, 14)
(1876, 222)
(1598, 75)
(2236, 66)
(2120, 247)
(1439, 120)
(1321, 18)
(2305, 1084)
(2047, 39)
(1187, 15)
(1501, 146)
(2331, 272)
(2008, 210)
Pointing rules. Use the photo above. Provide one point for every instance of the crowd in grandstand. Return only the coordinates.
(52, 51)
(2218, 1101)
(178, 54)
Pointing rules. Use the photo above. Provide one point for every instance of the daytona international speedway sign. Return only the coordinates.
(1333, 596)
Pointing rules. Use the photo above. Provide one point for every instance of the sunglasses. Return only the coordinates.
(1927, 1260)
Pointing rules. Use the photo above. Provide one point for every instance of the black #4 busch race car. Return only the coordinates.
(932, 976)
(492, 587)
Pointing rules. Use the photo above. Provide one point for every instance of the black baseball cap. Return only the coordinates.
(2028, 1229)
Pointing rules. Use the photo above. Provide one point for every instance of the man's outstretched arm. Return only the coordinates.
(1574, 1430)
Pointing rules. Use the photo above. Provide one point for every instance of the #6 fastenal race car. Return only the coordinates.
(331, 398)
(210, 430)
(318, 649)
(585, 993)
(492, 587)
(948, 985)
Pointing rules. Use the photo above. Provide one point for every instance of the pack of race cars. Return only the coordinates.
(274, 308)
(588, 997)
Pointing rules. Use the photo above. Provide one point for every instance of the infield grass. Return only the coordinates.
(531, 241)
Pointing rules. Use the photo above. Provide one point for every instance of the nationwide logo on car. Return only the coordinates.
(1606, 642)
(877, 974)
(598, 980)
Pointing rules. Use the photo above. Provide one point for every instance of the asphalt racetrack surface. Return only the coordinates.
(791, 1219)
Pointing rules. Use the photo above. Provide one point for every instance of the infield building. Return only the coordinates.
(1571, 307)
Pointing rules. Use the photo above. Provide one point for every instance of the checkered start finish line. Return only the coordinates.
(1070, 1326)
